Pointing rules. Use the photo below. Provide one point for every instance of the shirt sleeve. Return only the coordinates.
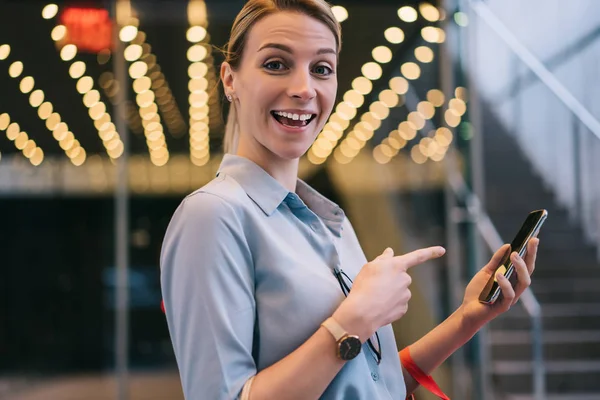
(207, 280)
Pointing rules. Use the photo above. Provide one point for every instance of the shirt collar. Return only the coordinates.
(261, 187)
(268, 193)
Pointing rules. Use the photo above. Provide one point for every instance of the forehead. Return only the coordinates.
(296, 30)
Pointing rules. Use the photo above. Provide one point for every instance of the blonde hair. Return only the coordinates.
(253, 11)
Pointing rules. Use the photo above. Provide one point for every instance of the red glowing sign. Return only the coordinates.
(90, 29)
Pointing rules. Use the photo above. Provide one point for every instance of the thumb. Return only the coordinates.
(502, 254)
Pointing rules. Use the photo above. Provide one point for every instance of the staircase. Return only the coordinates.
(566, 282)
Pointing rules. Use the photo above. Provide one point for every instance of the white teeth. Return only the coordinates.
(295, 117)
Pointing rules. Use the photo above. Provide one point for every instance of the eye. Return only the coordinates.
(323, 70)
(274, 66)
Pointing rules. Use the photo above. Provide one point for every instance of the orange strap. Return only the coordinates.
(421, 377)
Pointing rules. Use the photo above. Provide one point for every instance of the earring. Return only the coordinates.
(229, 98)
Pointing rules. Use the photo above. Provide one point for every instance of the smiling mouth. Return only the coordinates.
(293, 120)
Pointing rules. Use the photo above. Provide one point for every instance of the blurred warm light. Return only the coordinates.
(340, 13)
(396, 140)
(435, 97)
(461, 93)
(38, 157)
(196, 34)
(45, 110)
(197, 70)
(379, 110)
(399, 85)
(316, 159)
(197, 53)
(142, 84)
(461, 18)
(68, 52)
(128, 33)
(97, 111)
(407, 14)
(371, 121)
(340, 157)
(198, 85)
(443, 136)
(345, 111)
(451, 118)
(77, 69)
(80, 158)
(49, 11)
(36, 98)
(12, 131)
(433, 35)
(354, 98)
(394, 35)
(133, 52)
(389, 98)
(426, 109)
(103, 56)
(410, 70)
(91, 98)
(21, 140)
(417, 120)
(382, 54)
(85, 84)
(53, 121)
(362, 85)
(429, 12)
(424, 54)
(372, 71)
(417, 155)
(58, 33)
(138, 69)
(26, 84)
(15, 69)
(407, 130)
(4, 51)
(379, 156)
(458, 106)
(4, 121)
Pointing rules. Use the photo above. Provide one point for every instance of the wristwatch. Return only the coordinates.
(349, 346)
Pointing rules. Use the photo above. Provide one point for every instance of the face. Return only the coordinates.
(285, 86)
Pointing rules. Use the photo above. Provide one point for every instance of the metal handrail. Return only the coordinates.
(544, 75)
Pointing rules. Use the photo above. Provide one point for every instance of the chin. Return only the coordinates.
(290, 151)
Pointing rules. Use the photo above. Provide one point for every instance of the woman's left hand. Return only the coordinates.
(475, 313)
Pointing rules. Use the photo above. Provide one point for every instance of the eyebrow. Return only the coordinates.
(288, 49)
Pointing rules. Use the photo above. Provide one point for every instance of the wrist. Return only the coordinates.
(468, 325)
(353, 320)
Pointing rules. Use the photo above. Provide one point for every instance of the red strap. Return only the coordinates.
(162, 306)
(421, 377)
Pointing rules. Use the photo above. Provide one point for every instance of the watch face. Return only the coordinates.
(349, 347)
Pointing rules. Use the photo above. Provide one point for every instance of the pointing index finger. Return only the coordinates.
(420, 256)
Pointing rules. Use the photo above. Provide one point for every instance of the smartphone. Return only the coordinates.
(529, 229)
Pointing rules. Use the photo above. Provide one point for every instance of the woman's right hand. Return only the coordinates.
(380, 292)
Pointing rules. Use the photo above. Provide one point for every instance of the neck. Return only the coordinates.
(283, 170)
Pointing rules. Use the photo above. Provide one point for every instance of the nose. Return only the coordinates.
(301, 85)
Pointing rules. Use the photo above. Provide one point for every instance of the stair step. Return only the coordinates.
(561, 376)
(551, 396)
(558, 345)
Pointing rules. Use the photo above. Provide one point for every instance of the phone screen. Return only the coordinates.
(529, 229)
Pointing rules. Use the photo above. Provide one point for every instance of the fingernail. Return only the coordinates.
(517, 257)
(440, 251)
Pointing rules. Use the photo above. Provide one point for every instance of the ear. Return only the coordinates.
(227, 77)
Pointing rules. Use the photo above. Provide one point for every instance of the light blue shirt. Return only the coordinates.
(247, 277)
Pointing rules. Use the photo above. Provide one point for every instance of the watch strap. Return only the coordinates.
(334, 328)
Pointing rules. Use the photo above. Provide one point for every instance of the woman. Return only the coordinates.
(256, 301)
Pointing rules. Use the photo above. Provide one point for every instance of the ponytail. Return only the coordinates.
(232, 131)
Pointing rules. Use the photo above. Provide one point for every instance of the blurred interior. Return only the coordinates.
(454, 119)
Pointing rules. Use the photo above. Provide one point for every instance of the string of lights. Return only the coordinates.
(97, 110)
(45, 109)
(145, 94)
(198, 85)
(21, 140)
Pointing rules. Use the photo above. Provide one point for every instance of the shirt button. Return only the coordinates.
(375, 376)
